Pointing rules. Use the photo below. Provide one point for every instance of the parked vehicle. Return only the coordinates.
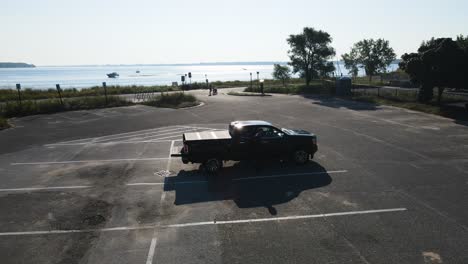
(247, 140)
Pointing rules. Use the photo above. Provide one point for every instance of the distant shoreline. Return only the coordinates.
(175, 64)
(183, 64)
(16, 65)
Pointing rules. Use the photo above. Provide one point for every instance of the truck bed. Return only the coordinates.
(206, 135)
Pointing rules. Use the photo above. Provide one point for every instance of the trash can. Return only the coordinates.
(343, 86)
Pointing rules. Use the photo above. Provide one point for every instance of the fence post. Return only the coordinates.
(378, 91)
(396, 92)
(18, 87)
(105, 90)
(59, 93)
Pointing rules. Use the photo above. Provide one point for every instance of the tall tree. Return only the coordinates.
(351, 63)
(372, 55)
(310, 54)
(282, 73)
(440, 63)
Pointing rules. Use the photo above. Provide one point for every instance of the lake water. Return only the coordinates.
(43, 77)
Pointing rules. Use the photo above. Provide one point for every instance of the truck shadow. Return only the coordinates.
(247, 186)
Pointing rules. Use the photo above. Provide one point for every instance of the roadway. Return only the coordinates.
(387, 185)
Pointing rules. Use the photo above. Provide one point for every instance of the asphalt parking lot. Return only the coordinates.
(386, 186)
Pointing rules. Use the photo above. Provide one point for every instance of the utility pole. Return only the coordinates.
(250, 80)
(258, 79)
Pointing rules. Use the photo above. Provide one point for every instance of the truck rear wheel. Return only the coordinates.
(300, 157)
(213, 165)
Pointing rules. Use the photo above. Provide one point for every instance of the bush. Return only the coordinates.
(35, 94)
(315, 87)
(173, 100)
(10, 109)
(3, 123)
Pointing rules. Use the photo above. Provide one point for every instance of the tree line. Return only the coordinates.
(439, 62)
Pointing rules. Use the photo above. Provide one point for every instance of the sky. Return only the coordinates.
(84, 32)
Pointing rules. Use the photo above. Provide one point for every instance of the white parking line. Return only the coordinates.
(128, 133)
(214, 135)
(147, 134)
(84, 161)
(149, 259)
(242, 221)
(163, 183)
(288, 217)
(44, 188)
(118, 142)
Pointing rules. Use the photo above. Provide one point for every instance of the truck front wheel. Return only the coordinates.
(213, 165)
(300, 157)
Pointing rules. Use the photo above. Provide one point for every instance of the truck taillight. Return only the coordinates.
(314, 140)
(185, 149)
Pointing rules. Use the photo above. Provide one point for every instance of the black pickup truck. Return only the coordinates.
(247, 140)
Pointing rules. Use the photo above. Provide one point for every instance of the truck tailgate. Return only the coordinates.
(207, 135)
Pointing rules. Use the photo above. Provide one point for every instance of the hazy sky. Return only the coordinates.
(63, 32)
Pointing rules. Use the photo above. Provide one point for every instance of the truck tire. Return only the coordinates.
(300, 157)
(213, 165)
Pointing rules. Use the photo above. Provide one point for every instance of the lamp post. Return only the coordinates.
(258, 79)
(261, 86)
(250, 80)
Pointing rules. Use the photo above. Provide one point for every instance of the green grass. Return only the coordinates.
(267, 82)
(4, 123)
(48, 106)
(315, 87)
(173, 100)
(51, 93)
(34, 94)
(247, 94)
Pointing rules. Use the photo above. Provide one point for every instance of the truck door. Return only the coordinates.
(269, 143)
(242, 144)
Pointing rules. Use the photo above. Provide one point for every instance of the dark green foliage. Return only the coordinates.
(33, 94)
(282, 73)
(351, 62)
(48, 106)
(310, 54)
(173, 100)
(441, 63)
(372, 55)
(4, 123)
(315, 87)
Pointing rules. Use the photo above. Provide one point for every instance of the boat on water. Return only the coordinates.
(137, 71)
(113, 75)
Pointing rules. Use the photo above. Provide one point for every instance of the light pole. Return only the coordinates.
(250, 80)
(261, 86)
(258, 79)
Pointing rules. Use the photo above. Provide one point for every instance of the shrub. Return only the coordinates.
(48, 106)
(173, 100)
(3, 123)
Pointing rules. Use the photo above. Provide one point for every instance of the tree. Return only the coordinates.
(310, 54)
(440, 63)
(350, 61)
(282, 73)
(372, 55)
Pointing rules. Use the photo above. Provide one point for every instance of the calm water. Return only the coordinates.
(87, 76)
